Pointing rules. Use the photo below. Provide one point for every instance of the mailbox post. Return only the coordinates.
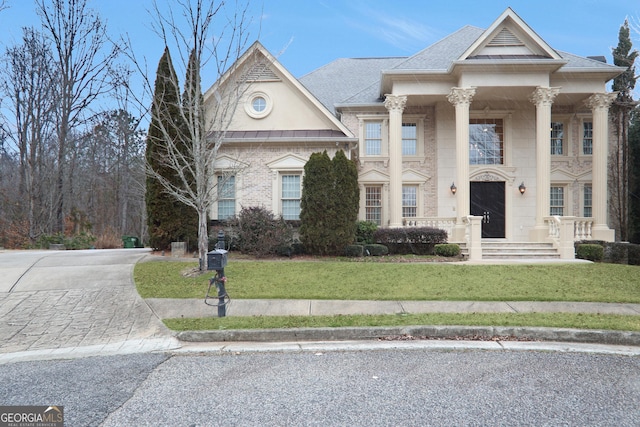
(217, 260)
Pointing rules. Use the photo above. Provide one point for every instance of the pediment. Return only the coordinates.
(373, 176)
(413, 176)
(229, 163)
(288, 162)
(563, 175)
(492, 174)
(509, 37)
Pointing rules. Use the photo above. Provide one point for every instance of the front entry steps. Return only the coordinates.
(499, 249)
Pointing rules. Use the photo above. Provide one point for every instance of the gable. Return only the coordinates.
(266, 97)
(509, 37)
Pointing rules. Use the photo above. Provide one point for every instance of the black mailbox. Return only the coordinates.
(216, 259)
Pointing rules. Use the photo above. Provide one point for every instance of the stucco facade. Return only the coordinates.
(489, 123)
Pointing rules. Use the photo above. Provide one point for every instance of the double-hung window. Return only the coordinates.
(556, 201)
(557, 138)
(409, 139)
(588, 202)
(290, 197)
(587, 138)
(373, 204)
(409, 201)
(226, 197)
(373, 138)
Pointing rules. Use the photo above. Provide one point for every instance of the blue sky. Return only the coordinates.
(306, 34)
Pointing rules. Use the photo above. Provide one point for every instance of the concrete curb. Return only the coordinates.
(588, 336)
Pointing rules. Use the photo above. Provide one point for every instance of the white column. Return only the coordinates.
(543, 98)
(599, 104)
(461, 99)
(395, 105)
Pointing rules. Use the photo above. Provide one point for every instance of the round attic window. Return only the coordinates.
(258, 105)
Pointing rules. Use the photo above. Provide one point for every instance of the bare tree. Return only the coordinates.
(82, 54)
(29, 84)
(111, 172)
(191, 155)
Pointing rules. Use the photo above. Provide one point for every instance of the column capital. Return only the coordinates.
(395, 102)
(461, 95)
(544, 95)
(600, 100)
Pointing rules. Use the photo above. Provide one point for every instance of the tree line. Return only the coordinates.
(67, 165)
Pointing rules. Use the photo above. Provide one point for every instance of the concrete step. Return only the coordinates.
(514, 250)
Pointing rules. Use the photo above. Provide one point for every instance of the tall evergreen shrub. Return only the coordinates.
(329, 204)
(167, 219)
(317, 208)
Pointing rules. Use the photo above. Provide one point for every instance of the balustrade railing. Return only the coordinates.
(445, 224)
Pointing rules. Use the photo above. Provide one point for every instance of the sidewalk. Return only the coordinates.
(194, 308)
(166, 308)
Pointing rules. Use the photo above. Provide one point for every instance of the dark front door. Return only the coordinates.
(487, 201)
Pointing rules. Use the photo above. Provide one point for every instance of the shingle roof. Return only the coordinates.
(439, 55)
(356, 81)
(340, 79)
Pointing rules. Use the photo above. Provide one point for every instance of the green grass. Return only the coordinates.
(556, 320)
(398, 281)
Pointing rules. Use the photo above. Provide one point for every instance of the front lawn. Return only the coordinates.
(337, 279)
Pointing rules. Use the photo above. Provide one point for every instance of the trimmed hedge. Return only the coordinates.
(447, 249)
(410, 240)
(589, 251)
(376, 250)
(616, 252)
(354, 251)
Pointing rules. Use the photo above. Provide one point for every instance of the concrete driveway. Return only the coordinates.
(57, 301)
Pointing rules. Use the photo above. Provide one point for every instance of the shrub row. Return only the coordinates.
(359, 250)
(447, 249)
(78, 241)
(612, 252)
(589, 251)
(412, 240)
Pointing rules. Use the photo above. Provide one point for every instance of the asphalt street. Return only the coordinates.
(334, 388)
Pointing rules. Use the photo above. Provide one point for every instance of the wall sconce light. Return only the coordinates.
(522, 188)
(453, 188)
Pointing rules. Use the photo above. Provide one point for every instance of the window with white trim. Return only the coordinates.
(373, 138)
(557, 138)
(409, 201)
(409, 139)
(587, 137)
(556, 201)
(373, 204)
(486, 142)
(290, 194)
(587, 202)
(226, 196)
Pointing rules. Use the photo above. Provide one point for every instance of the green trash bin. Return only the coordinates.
(129, 242)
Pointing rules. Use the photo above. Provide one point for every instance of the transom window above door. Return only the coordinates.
(486, 141)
